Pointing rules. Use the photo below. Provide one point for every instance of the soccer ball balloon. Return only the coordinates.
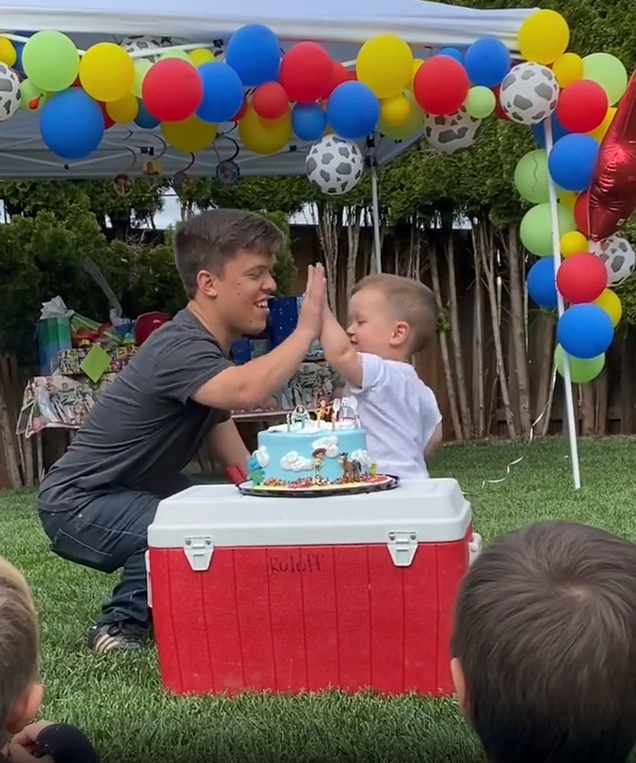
(450, 133)
(334, 165)
(529, 93)
(618, 256)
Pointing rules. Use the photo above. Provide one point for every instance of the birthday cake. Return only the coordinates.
(328, 451)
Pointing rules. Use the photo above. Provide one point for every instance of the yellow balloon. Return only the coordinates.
(201, 56)
(8, 53)
(385, 64)
(190, 135)
(124, 110)
(544, 36)
(600, 131)
(573, 242)
(412, 125)
(396, 111)
(568, 198)
(611, 303)
(142, 67)
(107, 72)
(417, 64)
(568, 68)
(264, 136)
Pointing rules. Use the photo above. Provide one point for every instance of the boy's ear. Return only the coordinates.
(25, 709)
(458, 680)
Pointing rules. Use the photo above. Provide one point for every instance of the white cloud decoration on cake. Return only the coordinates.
(262, 456)
(294, 462)
(329, 444)
(362, 457)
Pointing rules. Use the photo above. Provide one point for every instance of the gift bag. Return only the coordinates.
(53, 332)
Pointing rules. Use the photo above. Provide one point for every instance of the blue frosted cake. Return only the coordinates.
(312, 452)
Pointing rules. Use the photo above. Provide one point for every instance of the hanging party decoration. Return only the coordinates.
(50, 60)
(339, 74)
(142, 67)
(585, 331)
(253, 51)
(395, 111)
(309, 121)
(531, 177)
(582, 278)
(544, 36)
(72, 124)
(611, 303)
(144, 118)
(582, 106)
(609, 72)
(172, 90)
(264, 136)
(408, 129)
(452, 133)
(487, 61)
(223, 93)
(612, 197)
(529, 93)
(535, 230)
(32, 98)
(270, 100)
(441, 85)
(305, 72)
(124, 110)
(372, 65)
(334, 165)
(190, 135)
(572, 161)
(480, 102)
(619, 258)
(568, 68)
(353, 110)
(573, 242)
(8, 53)
(107, 72)
(582, 370)
(10, 92)
(541, 284)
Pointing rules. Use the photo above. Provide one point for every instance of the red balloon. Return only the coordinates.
(441, 85)
(339, 74)
(613, 188)
(305, 72)
(581, 216)
(499, 112)
(172, 90)
(582, 106)
(270, 100)
(582, 278)
(108, 122)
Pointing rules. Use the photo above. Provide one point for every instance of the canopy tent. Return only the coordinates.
(341, 25)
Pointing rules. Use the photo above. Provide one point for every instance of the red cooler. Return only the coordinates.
(304, 594)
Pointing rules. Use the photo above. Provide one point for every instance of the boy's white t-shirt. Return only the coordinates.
(400, 414)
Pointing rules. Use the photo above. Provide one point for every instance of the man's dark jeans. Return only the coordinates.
(111, 532)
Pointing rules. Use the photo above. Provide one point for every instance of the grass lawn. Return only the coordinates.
(119, 701)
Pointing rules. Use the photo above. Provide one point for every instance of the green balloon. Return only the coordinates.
(29, 94)
(536, 228)
(582, 370)
(142, 67)
(412, 125)
(50, 60)
(481, 102)
(532, 177)
(177, 53)
(609, 72)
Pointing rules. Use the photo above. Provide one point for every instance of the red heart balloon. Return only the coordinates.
(612, 197)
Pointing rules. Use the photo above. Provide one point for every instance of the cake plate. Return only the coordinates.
(381, 482)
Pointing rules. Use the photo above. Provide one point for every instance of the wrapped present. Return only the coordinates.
(79, 361)
(53, 336)
(87, 330)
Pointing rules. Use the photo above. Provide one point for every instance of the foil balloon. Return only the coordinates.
(612, 195)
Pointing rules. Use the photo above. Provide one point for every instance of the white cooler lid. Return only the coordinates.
(435, 510)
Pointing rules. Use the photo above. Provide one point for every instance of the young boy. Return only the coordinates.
(20, 689)
(544, 648)
(391, 319)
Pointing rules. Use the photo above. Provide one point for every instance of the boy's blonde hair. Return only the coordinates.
(411, 301)
(19, 642)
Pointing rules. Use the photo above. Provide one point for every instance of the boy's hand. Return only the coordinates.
(311, 312)
(18, 754)
(22, 745)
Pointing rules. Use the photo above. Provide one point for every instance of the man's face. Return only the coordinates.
(242, 292)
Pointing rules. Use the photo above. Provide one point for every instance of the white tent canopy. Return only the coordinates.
(341, 25)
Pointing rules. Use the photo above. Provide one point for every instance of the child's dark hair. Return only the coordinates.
(545, 634)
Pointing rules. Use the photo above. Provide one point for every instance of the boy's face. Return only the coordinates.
(240, 294)
(373, 327)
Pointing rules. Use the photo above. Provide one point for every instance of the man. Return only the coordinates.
(97, 501)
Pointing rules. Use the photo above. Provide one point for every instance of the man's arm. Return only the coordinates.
(227, 444)
(339, 352)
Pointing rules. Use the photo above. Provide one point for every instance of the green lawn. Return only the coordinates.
(120, 703)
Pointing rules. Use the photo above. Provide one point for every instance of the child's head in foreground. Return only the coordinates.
(392, 316)
(544, 649)
(20, 690)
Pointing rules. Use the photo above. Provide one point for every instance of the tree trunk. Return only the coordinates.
(479, 380)
(443, 343)
(517, 321)
(487, 252)
(545, 364)
(466, 418)
(601, 412)
(354, 224)
(586, 401)
(627, 382)
(328, 229)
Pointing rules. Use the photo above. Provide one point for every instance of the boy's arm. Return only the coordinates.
(433, 442)
(339, 352)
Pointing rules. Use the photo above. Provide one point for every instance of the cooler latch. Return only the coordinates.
(199, 550)
(402, 547)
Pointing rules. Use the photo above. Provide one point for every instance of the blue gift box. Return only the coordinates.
(53, 334)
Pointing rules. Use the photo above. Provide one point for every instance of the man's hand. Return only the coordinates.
(311, 312)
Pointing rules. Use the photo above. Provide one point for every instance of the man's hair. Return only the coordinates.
(209, 240)
(411, 301)
(546, 636)
(19, 642)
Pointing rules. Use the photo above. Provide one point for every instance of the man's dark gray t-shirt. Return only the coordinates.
(144, 428)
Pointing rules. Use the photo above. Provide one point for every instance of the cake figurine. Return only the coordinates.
(314, 454)
(324, 411)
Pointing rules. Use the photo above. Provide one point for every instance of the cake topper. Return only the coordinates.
(323, 411)
(300, 415)
(348, 410)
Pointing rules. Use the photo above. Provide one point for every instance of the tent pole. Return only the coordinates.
(376, 218)
(556, 253)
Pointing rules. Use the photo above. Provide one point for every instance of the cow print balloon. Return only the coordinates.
(10, 92)
(450, 133)
(529, 93)
(334, 165)
(618, 256)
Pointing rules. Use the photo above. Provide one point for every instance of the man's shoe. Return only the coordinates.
(115, 636)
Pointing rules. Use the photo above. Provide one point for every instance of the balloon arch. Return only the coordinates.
(580, 111)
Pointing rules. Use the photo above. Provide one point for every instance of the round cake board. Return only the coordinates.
(379, 482)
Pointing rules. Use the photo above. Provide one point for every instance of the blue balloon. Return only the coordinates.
(223, 92)
(572, 161)
(353, 110)
(585, 331)
(541, 283)
(144, 118)
(558, 131)
(453, 53)
(309, 121)
(487, 61)
(72, 124)
(253, 51)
